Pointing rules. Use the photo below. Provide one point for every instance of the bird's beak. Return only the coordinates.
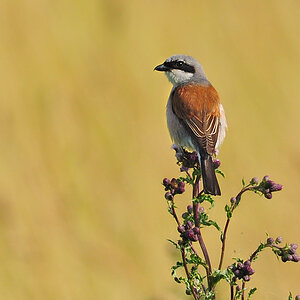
(161, 68)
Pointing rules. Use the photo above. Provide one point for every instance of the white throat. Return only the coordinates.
(176, 76)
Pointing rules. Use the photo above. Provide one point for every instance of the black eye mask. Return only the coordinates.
(179, 65)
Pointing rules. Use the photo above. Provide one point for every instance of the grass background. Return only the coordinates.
(84, 143)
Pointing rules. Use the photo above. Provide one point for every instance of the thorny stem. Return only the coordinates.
(243, 292)
(174, 213)
(196, 191)
(183, 252)
(238, 199)
(231, 293)
(188, 273)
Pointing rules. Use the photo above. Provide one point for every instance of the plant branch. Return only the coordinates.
(196, 191)
(243, 290)
(188, 273)
(238, 199)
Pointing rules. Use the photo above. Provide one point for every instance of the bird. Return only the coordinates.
(195, 117)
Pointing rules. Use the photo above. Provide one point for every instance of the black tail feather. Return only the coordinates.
(210, 182)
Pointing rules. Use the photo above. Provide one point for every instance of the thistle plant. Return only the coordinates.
(200, 276)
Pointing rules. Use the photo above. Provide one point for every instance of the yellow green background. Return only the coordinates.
(84, 144)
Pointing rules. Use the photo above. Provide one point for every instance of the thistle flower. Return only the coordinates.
(173, 187)
(186, 158)
(242, 270)
(267, 186)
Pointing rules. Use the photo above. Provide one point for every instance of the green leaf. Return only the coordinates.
(186, 179)
(228, 211)
(211, 223)
(290, 296)
(218, 275)
(196, 260)
(205, 197)
(243, 182)
(220, 172)
(251, 292)
(173, 243)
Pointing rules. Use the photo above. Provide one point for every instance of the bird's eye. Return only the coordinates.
(180, 63)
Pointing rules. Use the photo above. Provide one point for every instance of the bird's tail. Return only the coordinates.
(210, 182)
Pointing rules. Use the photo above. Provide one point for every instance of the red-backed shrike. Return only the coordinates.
(195, 116)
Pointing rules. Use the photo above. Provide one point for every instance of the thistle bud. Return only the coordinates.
(254, 180)
(216, 163)
(189, 209)
(233, 200)
(169, 196)
(166, 182)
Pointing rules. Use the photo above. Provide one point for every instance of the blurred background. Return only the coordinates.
(84, 143)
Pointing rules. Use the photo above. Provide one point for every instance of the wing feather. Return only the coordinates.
(198, 107)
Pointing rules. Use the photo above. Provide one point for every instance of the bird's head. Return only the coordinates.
(182, 69)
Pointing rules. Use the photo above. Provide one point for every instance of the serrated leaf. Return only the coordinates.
(251, 292)
(218, 275)
(204, 197)
(211, 223)
(220, 172)
(243, 182)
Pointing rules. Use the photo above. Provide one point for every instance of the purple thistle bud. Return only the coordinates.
(248, 270)
(217, 163)
(246, 277)
(254, 180)
(201, 209)
(268, 195)
(276, 187)
(289, 257)
(239, 266)
(233, 200)
(296, 257)
(189, 225)
(279, 240)
(266, 178)
(196, 230)
(190, 235)
(294, 246)
(189, 209)
(247, 263)
(180, 190)
(181, 229)
(238, 288)
(172, 191)
(169, 196)
(174, 183)
(268, 184)
(166, 182)
(237, 273)
(185, 215)
(270, 241)
(284, 258)
(297, 297)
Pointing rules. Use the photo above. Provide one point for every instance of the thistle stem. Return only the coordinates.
(196, 191)
(188, 273)
(238, 199)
